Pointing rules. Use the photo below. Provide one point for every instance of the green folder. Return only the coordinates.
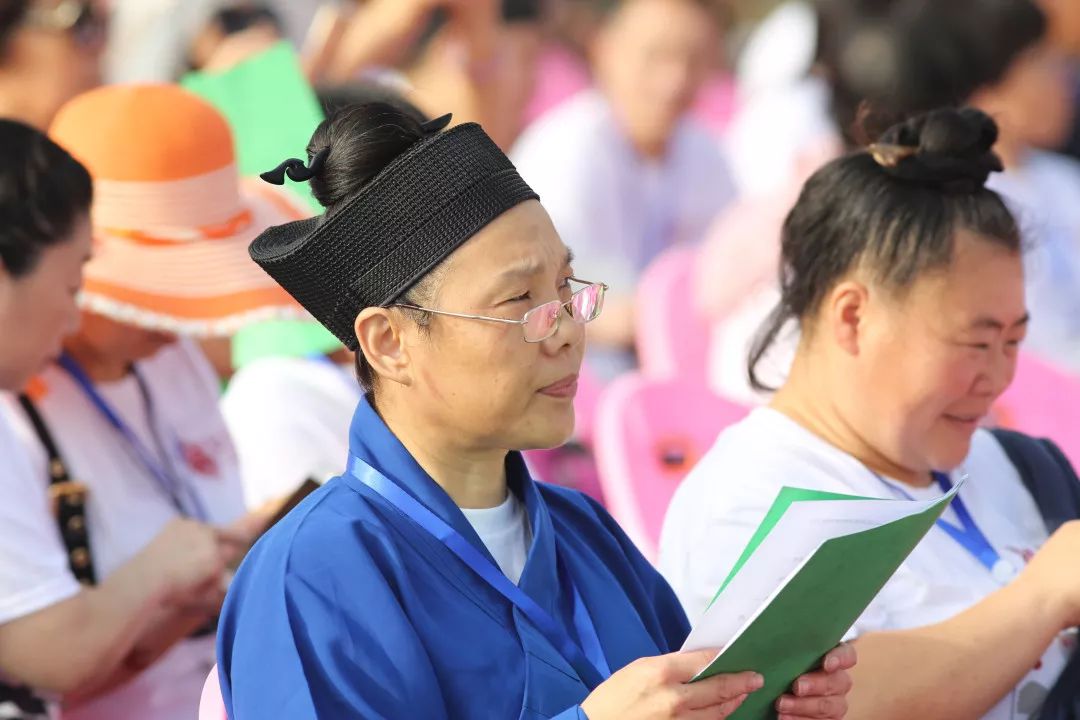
(819, 603)
(271, 107)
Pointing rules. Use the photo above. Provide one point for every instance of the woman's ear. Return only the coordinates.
(379, 332)
(844, 312)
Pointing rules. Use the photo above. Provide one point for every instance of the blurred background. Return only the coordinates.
(667, 139)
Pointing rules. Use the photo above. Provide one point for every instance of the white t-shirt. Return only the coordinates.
(1044, 194)
(616, 209)
(289, 419)
(722, 501)
(505, 532)
(126, 508)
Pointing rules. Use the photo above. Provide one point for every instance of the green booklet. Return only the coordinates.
(271, 107)
(808, 573)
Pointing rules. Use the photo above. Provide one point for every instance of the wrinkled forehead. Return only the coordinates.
(518, 245)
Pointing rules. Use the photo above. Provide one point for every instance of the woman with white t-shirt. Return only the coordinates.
(54, 635)
(122, 433)
(904, 275)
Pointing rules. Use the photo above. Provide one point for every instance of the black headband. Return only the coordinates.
(409, 218)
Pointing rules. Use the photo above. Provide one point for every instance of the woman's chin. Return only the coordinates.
(554, 433)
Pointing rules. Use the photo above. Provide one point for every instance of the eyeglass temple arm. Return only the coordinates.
(465, 316)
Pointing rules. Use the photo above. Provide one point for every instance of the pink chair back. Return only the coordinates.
(672, 335)
(1043, 400)
(212, 706)
(649, 434)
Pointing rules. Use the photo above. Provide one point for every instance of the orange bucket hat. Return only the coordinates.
(172, 218)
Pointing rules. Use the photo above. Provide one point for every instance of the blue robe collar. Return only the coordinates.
(372, 441)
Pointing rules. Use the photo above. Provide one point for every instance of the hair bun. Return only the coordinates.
(950, 149)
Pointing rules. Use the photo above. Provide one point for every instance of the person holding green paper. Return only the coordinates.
(433, 578)
(905, 277)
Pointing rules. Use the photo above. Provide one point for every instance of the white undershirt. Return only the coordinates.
(505, 532)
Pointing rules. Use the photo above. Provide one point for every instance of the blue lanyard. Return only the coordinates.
(968, 535)
(168, 481)
(590, 663)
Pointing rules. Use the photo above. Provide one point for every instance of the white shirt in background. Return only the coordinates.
(505, 532)
(126, 508)
(614, 208)
(720, 504)
(1044, 193)
(289, 419)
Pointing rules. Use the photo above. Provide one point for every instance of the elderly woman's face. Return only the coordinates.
(482, 379)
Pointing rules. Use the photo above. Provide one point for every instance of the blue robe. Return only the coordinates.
(348, 609)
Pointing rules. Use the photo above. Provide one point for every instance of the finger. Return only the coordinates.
(720, 689)
(683, 666)
(812, 707)
(718, 712)
(822, 683)
(842, 657)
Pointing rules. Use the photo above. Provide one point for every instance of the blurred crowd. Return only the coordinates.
(647, 127)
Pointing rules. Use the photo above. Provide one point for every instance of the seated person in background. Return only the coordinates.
(48, 55)
(291, 394)
(904, 274)
(129, 411)
(1034, 105)
(997, 63)
(622, 170)
(434, 578)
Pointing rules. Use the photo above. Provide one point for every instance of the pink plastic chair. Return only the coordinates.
(649, 434)
(212, 706)
(672, 335)
(1043, 400)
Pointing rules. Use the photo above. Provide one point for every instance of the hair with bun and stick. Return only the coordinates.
(905, 277)
(893, 208)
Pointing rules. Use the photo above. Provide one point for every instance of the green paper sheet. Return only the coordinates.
(271, 107)
(819, 603)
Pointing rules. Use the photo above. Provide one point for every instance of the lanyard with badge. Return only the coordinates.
(968, 534)
(158, 466)
(587, 658)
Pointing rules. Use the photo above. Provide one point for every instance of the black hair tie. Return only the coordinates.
(296, 169)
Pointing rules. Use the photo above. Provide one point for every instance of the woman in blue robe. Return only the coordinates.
(434, 578)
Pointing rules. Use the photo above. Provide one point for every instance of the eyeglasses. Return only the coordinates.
(542, 321)
(80, 18)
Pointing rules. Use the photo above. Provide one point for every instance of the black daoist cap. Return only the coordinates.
(420, 208)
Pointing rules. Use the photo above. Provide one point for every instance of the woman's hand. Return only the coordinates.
(658, 688)
(821, 694)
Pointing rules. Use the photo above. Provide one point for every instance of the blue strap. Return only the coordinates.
(970, 537)
(590, 664)
(168, 482)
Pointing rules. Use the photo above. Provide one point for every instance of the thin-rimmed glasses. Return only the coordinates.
(542, 321)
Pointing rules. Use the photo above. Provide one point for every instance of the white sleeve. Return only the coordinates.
(34, 570)
(284, 428)
(706, 531)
